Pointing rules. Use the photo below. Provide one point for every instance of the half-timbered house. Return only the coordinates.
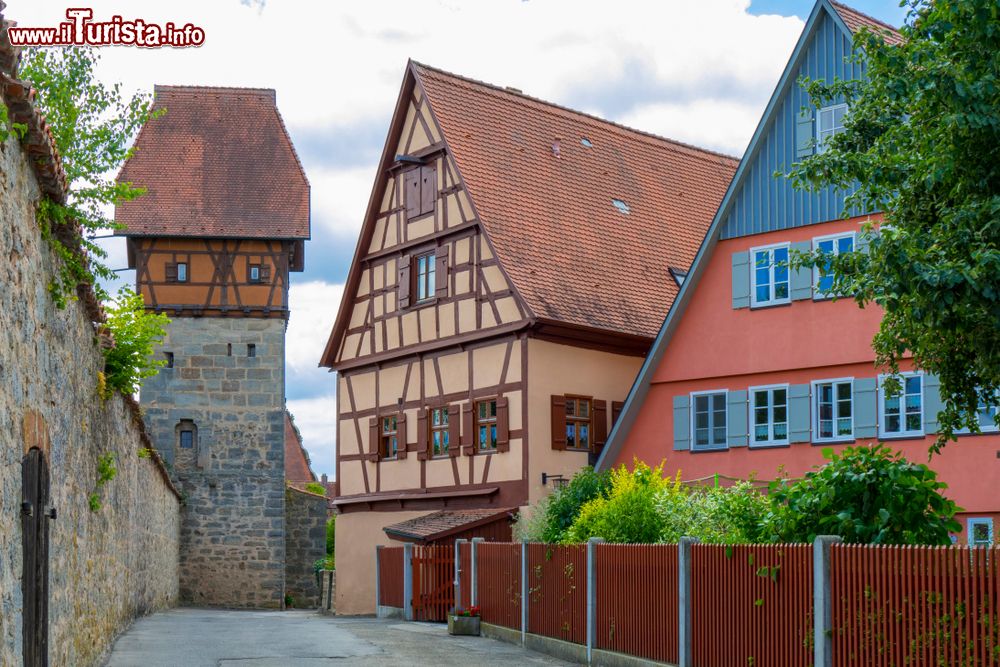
(514, 265)
(757, 369)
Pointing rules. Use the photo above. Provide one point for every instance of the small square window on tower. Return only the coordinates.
(170, 359)
(254, 273)
(251, 350)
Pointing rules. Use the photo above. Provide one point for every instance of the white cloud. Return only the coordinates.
(339, 199)
(316, 420)
(313, 307)
(727, 125)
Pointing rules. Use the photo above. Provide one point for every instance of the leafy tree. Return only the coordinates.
(93, 125)
(922, 144)
(135, 333)
(867, 495)
(628, 511)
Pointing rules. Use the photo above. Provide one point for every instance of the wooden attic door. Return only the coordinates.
(35, 545)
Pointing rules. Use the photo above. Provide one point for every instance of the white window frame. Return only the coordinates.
(814, 410)
(979, 521)
(752, 426)
(725, 440)
(902, 407)
(817, 294)
(820, 144)
(992, 410)
(182, 274)
(754, 303)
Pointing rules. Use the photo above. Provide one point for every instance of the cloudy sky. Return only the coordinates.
(700, 71)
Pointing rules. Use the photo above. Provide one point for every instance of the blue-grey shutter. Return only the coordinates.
(865, 408)
(798, 413)
(801, 278)
(736, 418)
(804, 144)
(741, 279)
(682, 422)
(932, 402)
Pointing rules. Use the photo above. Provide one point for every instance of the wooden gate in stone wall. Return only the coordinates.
(35, 545)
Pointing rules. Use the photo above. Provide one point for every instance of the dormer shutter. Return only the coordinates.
(428, 188)
(411, 192)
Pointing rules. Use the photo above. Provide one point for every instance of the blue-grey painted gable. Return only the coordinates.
(762, 202)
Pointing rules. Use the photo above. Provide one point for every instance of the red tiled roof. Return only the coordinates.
(218, 163)
(297, 469)
(572, 255)
(856, 20)
(440, 524)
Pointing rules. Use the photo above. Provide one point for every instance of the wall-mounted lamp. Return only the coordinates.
(558, 480)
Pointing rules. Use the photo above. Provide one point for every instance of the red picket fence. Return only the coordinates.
(557, 591)
(433, 582)
(752, 604)
(465, 574)
(915, 605)
(498, 577)
(390, 577)
(637, 600)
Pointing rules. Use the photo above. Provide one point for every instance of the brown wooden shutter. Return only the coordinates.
(411, 189)
(423, 442)
(428, 188)
(403, 293)
(265, 272)
(374, 448)
(616, 411)
(468, 429)
(503, 425)
(559, 422)
(171, 272)
(454, 430)
(599, 435)
(401, 436)
(441, 272)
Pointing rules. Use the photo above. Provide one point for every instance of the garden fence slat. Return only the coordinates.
(433, 582)
(498, 575)
(558, 591)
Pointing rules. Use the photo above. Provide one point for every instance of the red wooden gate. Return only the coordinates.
(433, 582)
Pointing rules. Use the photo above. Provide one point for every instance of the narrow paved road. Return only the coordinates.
(223, 638)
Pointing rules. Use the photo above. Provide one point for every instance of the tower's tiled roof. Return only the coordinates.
(218, 163)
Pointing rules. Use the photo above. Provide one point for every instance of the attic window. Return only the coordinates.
(678, 275)
(587, 143)
(621, 206)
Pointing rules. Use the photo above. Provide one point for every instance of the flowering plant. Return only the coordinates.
(471, 611)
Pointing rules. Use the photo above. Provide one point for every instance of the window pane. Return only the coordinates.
(584, 410)
(844, 391)
(892, 423)
(760, 416)
(701, 436)
(892, 405)
(825, 428)
(570, 407)
(780, 431)
(912, 422)
(781, 289)
(912, 385)
(779, 413)
(763, 294)
(825, 246)
(762, 259)
(701, 420)
(483, 437)
(844, 426)
(571, 435)
(760, 399)
(845, 244)
(825, 120)
(493, 437)
(584, 435)
(825, 284)
(187, 439)
(760, 433)
(719, 435)
(779, 397)
(719, 403)
(913, 403)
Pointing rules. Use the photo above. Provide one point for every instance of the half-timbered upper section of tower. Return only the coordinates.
(226, 208)
(521, 214)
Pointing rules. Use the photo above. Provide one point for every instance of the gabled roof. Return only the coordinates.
(219, 163)
(297, 468)
(544, 181)
(637, 394)
(855, 21)
(438, 525)
(547, 201)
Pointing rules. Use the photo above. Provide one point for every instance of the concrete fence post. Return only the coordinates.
(684, 635)
(524, 591)
(822, 604)
(408, 582)
(592, 596)
(378, 580)
(458, 573)
(474, 572)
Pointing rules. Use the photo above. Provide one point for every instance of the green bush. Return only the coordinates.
(317, 488)
(331, 534)
(135, 332)
(628, 512)
(866, 495)
(565, 503)
(716, 515)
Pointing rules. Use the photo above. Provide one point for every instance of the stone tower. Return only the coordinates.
(212, 241)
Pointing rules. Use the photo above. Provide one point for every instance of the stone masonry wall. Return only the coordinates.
(232, 475)
(105, 567)
(305, 543)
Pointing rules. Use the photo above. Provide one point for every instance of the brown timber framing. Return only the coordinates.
(228, 292)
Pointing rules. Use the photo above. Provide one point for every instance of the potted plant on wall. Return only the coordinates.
(464, 621)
